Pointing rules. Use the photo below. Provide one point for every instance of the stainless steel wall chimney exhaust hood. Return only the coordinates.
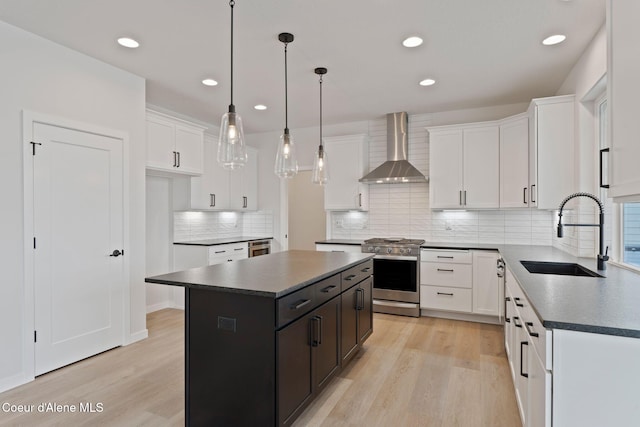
(397, 169)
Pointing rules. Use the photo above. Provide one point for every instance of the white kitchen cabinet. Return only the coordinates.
(243, 189)
(173, 144)
(464, 166)
(551, 150)
(221, 189)
(514, 162)
(487, 295)
(446, 280)
(623, 93)
(348, 162)
(190, 256)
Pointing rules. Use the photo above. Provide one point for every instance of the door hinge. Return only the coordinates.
(35, 336)
(33, 147)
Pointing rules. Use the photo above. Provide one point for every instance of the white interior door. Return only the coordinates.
(78, 223)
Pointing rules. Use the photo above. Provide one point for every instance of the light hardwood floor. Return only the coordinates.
(411, 372)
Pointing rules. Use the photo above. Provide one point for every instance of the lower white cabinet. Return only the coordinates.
(191, 256)
(460, 280)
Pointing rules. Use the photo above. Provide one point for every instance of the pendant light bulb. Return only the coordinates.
(286, 165)
(320, 174)
(232, 151)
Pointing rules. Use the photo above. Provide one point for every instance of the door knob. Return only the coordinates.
(117, 253)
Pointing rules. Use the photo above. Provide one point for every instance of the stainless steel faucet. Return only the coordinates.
(602, 255)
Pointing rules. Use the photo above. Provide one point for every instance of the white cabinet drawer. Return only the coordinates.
(222, 253)
(446, 274)
(442, 255)
(443, 298)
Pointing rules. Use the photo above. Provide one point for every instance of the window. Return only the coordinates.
(631, 233)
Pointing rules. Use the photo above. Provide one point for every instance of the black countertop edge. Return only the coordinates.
(463, 246)
(340, 242)
(221, 241)
(594, 329)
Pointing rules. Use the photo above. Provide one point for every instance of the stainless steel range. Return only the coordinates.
(396, 275)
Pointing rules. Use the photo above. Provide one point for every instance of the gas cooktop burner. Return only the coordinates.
(394, 246)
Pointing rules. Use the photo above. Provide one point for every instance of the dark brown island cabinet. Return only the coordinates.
(264, 335)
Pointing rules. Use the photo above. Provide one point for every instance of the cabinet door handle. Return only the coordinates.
(360, 199)
(212, 200)
(175, 159)
(508, 320)
(445, 293)
(350, 277)
(515, 322)
(244, 201)
(366, 269)
(448, 270)
(602, 185)
(442, 256)
(359, 299)
(529, 327)
(328, 289)
(522, 344)
(220, 252)
(178, 159)
(316, 322)
(516, 299)
(524, 195)
(299, 304)
(460, 197)
(533, 186)
(465, 198)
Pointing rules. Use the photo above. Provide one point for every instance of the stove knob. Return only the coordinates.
(389, 250)
(370, 249)
(404, 251)
(377, 249)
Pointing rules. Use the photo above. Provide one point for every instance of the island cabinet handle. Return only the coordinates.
(366, 269)
(516, 299)
(359, 299)
(328, 289)
(316, 331)
(522, 344)
(529, 327)
(350, 277)
(299, 304)
(515, 322)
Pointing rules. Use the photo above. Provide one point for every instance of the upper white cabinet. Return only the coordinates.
(348, 162)
(514, 162)
(221, 189)
(464, 166)
(551, 151)
(623, 92)
(173, 144)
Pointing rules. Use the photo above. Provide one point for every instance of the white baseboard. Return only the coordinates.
(480, 318)
(137, 336)
(159, 306)
(13, 382)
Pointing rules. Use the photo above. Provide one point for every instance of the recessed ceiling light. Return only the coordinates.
(412, 41)
(427, 82)
(555, 39)
(128, 42)
(260, 107)
(209, 82)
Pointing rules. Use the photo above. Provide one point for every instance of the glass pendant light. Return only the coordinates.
(232, 151)
(286, 163)
(320, 173)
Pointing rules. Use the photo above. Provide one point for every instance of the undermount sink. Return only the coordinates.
(562, 268)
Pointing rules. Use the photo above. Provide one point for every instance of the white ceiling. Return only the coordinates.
(481, 52)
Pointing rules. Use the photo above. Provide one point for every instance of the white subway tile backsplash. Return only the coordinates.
(189, 226)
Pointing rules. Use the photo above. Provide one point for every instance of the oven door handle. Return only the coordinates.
(399, 257)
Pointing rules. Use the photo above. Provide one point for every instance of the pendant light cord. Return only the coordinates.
(286, 94)
(232, 3)
(320, 112)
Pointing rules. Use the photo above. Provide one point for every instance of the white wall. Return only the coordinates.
(41, 76)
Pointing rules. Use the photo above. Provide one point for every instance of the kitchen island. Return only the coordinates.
(264, 335)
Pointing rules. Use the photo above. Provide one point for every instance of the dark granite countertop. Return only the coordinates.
(221, 241)
(604, 305)
(274, 275)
